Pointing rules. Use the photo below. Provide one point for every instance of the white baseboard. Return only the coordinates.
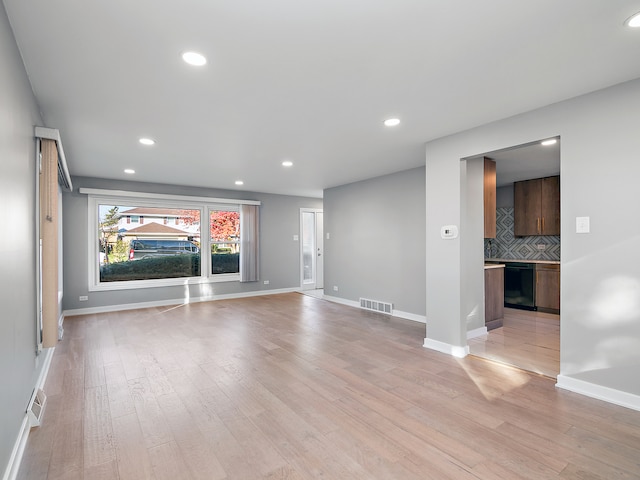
(396, 313)
(476, 332)
(342, 301)
(175, 301)
(453, 350)
(410, 316)
(617, 397)
(15, 459)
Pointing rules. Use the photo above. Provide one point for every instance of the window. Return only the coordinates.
(146, 251)
(168, 247)
(224, 227)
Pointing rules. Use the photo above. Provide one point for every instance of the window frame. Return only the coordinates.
(96, 197)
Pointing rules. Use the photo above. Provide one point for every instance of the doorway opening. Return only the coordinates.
(529, 336)
(311, 250)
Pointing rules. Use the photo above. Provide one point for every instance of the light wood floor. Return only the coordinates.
(528, 340)
(294, 387)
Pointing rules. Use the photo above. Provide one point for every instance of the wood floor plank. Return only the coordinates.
(133, 457)
(67, 456)
(155, 430)
(198, 454)
(168, 463)
(294, 387)
(104, 471)
(98, 433)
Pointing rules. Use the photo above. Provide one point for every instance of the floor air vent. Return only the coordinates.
(36, 408)
(376, 306)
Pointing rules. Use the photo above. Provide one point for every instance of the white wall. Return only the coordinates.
(19, 366)
(600, 271)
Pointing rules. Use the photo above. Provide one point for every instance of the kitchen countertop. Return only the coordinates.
(507, 260)
(487, 266)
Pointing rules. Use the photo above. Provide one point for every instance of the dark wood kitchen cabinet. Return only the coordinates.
(537, 207)
(548, 288)
(489, 198)
(493, 297)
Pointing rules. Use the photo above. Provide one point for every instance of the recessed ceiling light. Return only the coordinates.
(551, 141)
(392, 122)
(130, 171)
(633, 21)
(194, 58)
(239, 182)
(147, 141)
(287, 163)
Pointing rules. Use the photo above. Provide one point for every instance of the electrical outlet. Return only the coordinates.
(335, 288)
(541, 246)
(83, 298)
(266, 282)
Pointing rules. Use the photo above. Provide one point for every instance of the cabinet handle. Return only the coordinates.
(543, 224)
(538, 224)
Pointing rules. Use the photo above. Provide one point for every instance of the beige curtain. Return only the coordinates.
(49, 239)
(249, 235)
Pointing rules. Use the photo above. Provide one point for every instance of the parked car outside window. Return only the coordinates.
(152, 247)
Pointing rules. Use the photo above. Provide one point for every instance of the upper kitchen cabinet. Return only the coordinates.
(489, 198)
(537, 207)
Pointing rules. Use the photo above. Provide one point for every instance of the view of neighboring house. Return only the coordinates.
(123, 223)
(168, 223)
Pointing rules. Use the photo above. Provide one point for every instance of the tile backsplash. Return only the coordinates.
(505, 245)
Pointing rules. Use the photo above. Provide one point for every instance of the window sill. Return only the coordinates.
(164, 282)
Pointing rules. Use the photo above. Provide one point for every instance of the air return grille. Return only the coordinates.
(376, 306)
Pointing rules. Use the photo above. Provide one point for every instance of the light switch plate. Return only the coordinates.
(295, 238)
(583, 225)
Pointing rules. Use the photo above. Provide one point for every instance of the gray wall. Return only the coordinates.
(376, 249)
(18, 364)
(279, 253)
(600, 290)
(504, 196)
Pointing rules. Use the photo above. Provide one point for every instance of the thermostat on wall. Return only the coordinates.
(449, 232)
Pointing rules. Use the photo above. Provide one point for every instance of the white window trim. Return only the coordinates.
(163, 196)
(117, 197)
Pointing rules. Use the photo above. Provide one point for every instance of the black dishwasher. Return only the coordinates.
(520, 285)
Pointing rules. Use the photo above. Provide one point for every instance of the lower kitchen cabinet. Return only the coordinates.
(493, 297)
(548, 288)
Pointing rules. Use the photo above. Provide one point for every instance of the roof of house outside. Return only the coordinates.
(156, 229)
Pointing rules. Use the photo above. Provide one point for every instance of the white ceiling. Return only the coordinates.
(524, 162)
(305, 80)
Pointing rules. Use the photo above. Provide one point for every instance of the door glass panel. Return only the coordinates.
(308, 246)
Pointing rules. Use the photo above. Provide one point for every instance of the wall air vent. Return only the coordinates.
(376, 306)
